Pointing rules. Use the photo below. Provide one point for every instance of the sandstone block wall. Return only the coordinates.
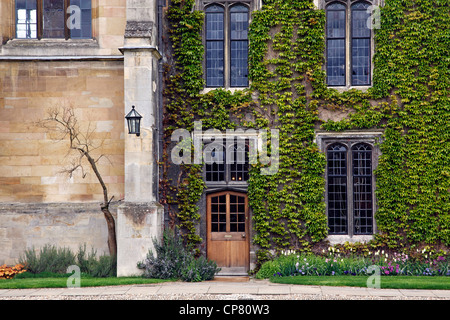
(108, 27)
(32, 158)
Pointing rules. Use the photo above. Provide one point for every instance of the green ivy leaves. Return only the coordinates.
(410, 100)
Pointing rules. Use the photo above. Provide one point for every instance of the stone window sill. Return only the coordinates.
(347, 88)
(231, 89)
(341, 239)
(50, 43)
(50, 47)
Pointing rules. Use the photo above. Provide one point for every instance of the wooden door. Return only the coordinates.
(228, 231)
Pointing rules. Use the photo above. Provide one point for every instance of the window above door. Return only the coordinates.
(227, 165)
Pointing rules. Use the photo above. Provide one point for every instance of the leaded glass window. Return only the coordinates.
(350, 188)
(336, 31)
(26, 19)
(239, 166)
(63, 19)
(348, 43)
(226, 44)
(227, 167)
(53, 19)
(362, 189)
(239, 46)
(215, 165)
(85, 30)
(360, 68)
(215, 41)
(337, 189)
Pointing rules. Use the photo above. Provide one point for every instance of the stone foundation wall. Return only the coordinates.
(24, 226)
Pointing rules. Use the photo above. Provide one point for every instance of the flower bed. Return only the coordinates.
(336, 263)
(9, 272)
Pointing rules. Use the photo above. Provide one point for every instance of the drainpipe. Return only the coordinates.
(160, 92)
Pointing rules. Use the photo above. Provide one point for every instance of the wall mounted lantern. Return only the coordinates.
(134, 122)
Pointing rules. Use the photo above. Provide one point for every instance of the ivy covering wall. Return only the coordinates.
(409, 100)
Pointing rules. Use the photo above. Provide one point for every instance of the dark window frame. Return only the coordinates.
(223, 41)
(229, 168)
(227, 5)
(349, 143)
(231, 41)
(328, 39)
(353, 37)
(40, 21)
(348, 41)
(338, 222)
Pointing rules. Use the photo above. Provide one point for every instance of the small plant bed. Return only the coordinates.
(393, 282)
(174, 260)
(419, 269)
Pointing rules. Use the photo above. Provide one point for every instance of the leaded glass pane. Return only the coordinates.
(239, 23)
(360, 61)
(239, 167)
(26, 19)
(336, 23)
(335, 44)
(362, 189)
(336, 62)
(85, 32)
(215, 166)
(53, 19)
(361, 34)
(215, 46)
(239, 46)
(239, 63)
(337, 189)
(359, 23)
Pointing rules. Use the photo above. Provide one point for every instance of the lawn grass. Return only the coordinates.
(60, 282)
(386, 282)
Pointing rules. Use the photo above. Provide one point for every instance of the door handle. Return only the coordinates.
(243, 235)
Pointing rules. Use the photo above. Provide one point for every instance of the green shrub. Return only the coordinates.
(174, 261)
(48, 259)
(268, 269)
(52, 260)
(105, 266)
(199, 269)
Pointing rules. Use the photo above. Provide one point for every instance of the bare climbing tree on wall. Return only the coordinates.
(64, 124)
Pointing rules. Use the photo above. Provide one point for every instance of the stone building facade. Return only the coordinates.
(102, 57)
(101, 72)
(115, 65)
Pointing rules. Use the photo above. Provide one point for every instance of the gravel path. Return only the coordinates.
(216, 290)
